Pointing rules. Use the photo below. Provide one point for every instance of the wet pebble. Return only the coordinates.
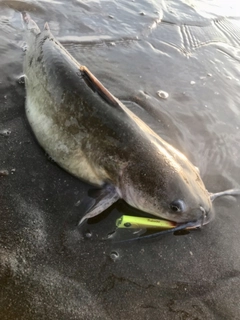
(77, 204)
(5, 132)
(163, 94)
(88, 234)
(114, 255)
(111, 234)
(24, 48)
(4, 173)
(21, 79)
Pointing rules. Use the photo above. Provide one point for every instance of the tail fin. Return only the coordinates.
(30, 24)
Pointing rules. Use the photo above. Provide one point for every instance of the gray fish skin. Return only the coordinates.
(103, 142)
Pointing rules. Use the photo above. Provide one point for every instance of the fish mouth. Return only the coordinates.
(205, 218)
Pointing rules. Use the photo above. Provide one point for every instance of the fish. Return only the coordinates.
(92, 135)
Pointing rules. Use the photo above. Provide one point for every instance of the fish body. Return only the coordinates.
(96, 138)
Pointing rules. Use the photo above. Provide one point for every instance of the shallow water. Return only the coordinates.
(190, 49)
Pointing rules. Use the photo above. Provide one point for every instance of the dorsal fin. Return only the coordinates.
(98, 87)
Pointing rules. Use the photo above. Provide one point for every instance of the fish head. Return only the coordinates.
(185, 197)
(170, 187)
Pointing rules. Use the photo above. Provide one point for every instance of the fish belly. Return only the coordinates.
(63, 147)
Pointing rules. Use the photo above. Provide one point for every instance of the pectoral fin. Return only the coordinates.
(103, 199)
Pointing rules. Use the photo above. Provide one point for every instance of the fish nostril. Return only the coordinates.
(202, 210)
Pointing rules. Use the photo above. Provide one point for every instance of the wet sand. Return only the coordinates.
(49, 269)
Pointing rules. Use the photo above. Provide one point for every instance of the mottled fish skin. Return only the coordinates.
(102, 141)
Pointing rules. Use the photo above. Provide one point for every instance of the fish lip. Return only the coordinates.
(189, 225)
(197, 223)
(205, 218)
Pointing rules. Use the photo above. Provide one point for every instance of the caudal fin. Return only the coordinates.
(29, 23)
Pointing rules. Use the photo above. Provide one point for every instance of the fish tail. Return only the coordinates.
(26, 17)
(29, 23)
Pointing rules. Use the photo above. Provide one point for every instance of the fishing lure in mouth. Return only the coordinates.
(133, 222)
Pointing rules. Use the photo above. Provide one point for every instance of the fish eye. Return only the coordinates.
(177, 206)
